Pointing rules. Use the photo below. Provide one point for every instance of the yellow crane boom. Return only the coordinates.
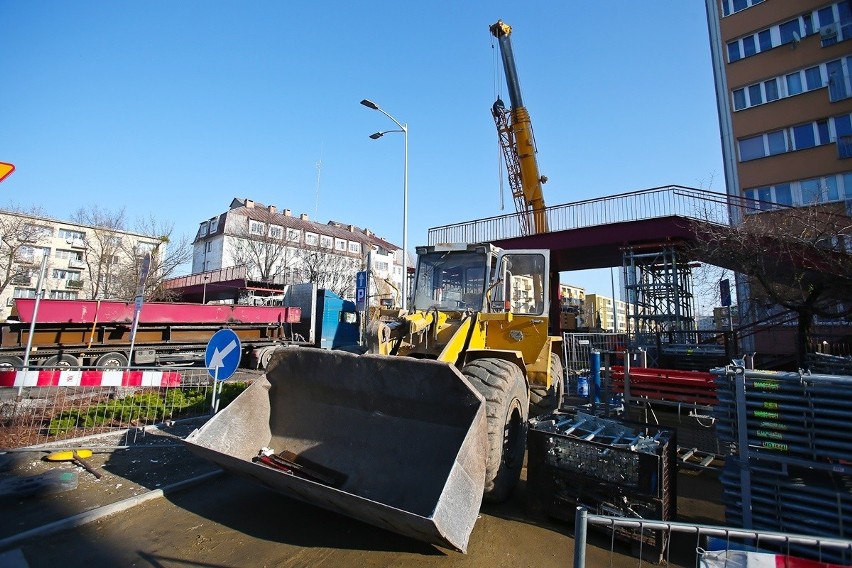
(514, 129)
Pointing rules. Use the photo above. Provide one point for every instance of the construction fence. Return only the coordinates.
(47, 405)
(705, 546)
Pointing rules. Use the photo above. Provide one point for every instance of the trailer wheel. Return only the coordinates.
(63, 360)
(112, 360)
(545, 401)
(11, 361)
(506, 406)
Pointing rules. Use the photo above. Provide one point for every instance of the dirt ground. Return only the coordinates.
(227, 521)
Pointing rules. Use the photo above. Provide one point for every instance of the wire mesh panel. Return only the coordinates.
(48, 405)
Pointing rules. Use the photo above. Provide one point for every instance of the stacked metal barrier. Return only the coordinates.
(608, 466)
(789, 437)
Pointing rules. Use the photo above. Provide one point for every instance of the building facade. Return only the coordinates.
(602, 312)
(782, 73)
(82, 262)
(279, 248)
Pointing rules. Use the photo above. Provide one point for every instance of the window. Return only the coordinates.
(813, 78)
(203, 229)
(739, 99)
(790, 30)
(208, 246)
(765, 40)
(830, 185)
(749, 48)
(783, 195)
(734, 51)
(311, 239)
(24, 293)
(771, 88)
(754, 95)
(276, 231)
(294, 235)
(794, 84)
(803, 136)
(822, 132)
(340, 244)
(256, 227)
(69, 254)
(354, 247)
(811, 192)
(70, 235)
(61, 274)
(62, 295)
(381, 265)
(214, 224)
(777, 142)
(751, 148)
(325, 241)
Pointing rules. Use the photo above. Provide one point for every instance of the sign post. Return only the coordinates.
(137, 307)
(222, 358)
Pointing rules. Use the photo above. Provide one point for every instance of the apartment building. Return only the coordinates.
(279, 248)
(782, 73)
(82, 262)
(605, 313)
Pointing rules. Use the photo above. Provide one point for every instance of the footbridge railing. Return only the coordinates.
(667, 201)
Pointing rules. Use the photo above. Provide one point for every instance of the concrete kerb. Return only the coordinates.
(107, 510)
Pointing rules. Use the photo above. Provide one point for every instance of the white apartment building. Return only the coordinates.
(83, 262)
(279, 248)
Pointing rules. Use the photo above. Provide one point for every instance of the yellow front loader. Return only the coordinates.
(413, 434)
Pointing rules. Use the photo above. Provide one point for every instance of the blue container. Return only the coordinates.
(582, 386)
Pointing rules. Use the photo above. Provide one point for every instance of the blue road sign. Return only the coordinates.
(223, 354)
(361, 291)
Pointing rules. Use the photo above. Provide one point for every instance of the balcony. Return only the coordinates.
(74, 284)
(73, 263)
(21, 280)
(76, 243)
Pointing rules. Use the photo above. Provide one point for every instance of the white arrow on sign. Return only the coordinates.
(217, 361)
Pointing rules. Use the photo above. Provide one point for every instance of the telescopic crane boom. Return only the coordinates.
(517, 142)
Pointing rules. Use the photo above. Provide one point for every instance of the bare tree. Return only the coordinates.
(797, 258)
(103, 248)
(267, 256)
(167, 256)
(20, 236)
(328, 270)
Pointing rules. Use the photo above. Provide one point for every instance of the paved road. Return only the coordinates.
(229, 522)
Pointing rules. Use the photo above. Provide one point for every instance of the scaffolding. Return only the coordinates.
(659, 295)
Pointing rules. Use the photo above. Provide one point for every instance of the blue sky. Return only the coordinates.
(175, 108)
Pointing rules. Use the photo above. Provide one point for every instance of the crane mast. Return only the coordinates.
(514, 130)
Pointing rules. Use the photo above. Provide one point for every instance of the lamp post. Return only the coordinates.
(375, 136)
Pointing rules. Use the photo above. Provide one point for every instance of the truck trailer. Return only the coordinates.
(97, 333)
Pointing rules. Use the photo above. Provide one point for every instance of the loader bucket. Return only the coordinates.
(396, 442)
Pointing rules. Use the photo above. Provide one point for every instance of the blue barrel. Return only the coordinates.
(582, 386)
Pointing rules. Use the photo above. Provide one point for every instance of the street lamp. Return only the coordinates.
(375, 136)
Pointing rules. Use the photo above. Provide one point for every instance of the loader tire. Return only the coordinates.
(545, 401)
(502, 385)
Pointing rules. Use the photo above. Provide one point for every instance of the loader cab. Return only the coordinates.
(520, 283)
(452, 278)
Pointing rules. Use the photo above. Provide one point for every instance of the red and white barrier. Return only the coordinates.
(81, 378)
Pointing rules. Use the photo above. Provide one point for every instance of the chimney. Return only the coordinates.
(249, 204)
(351, 228)
(272, 209)
(287, 213)
(303, 216)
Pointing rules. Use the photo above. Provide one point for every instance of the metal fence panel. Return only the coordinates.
(49, 405)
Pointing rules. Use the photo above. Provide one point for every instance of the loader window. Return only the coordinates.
(524, 283)
(452, 280)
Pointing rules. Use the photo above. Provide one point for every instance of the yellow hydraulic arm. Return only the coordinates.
(516, 139)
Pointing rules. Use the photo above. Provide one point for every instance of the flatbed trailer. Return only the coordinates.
(97, 333)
